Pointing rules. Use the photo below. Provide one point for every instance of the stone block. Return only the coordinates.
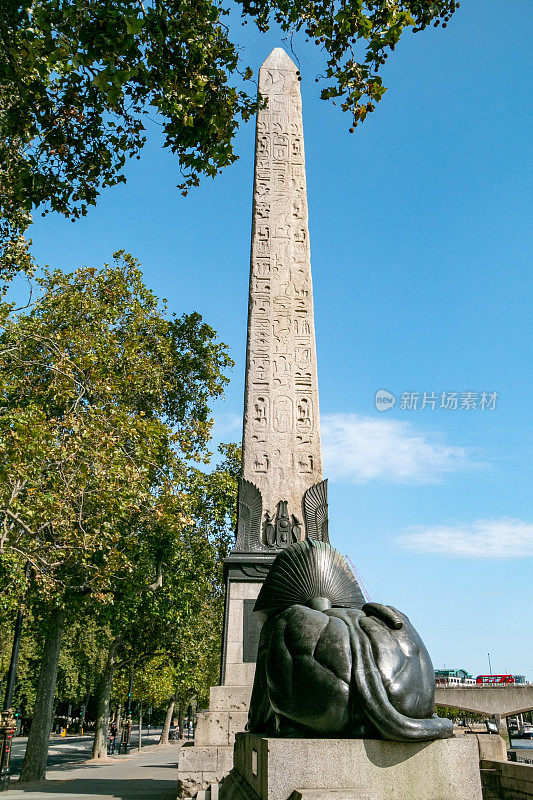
(491, 747)
(197, 759)
(234, 652)
(230, 698)
(201, 767)
(189, 784)
(212, 728)
(244, 590)
(516, 780)
(235, 621)
(219, 727)
(237, 723)
(446, 769)
(240, 674)
(224, 760)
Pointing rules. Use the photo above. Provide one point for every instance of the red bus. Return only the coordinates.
(495, 679)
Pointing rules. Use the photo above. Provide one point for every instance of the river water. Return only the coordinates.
(524, 748)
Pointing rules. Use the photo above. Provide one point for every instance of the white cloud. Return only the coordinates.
(484, 538)
(227, 425)
(362, 449)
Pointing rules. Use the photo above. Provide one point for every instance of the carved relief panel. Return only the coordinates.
(280, 147)
(261, 303)
(282, 414)
(260, 369)
(303, 379)
(302, 355)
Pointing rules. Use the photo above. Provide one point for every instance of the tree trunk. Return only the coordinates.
(180, 721)
(168, 722)
(119, 720)
(140, 726)
(102, 712)
(34, 765)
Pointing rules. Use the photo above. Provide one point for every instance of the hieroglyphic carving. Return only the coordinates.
(304, 414)
(261, 266)
(261, 413)
(281, 445)
(302, 354)
(306, 463)
(282, 414)
(261, 462)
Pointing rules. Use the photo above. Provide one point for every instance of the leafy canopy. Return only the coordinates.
(79, 78)
(102, 397)
(181, 541)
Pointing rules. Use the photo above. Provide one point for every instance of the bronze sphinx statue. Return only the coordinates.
(331, 665)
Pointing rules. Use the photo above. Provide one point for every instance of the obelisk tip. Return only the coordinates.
(278, 59)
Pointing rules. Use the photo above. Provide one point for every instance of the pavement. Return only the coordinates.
(150, 774)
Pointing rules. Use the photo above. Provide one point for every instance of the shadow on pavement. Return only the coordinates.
(129, 789)
(68, 766)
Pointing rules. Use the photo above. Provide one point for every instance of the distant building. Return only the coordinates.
(460, 677)
(453, 677)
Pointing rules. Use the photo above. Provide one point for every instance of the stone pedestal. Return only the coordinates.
(352, 769)
(210, 758)
(243, 576)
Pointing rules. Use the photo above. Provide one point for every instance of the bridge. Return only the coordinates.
(492, 700)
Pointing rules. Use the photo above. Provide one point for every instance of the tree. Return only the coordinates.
(183, 543)
(78, 80)
(103, 396)
(92, 381)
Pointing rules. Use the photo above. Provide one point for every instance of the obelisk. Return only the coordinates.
(282, 497)
(281, 436)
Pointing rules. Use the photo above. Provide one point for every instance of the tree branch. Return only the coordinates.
(158, 583)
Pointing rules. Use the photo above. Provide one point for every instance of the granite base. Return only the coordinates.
(352, 769)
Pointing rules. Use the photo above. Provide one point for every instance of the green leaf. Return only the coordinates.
(134, 25)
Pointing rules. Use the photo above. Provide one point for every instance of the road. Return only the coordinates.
(146, 775)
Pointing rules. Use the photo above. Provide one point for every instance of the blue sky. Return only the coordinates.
(420, 229)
